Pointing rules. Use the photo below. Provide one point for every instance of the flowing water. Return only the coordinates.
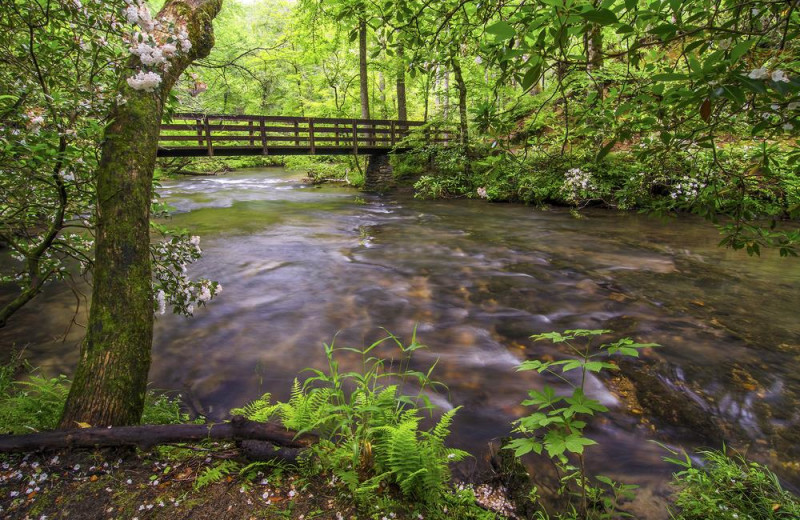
(301, 263)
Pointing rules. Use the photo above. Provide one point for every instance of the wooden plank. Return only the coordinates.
(208, 139)
(355, 137)
(311, 135)
(296, 133)
(252, 140)
(199, 128)
(263, 133)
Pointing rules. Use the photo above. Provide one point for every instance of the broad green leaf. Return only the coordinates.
(605, 150)
(740, 49)
(600, 16)
(501, 31)
(576, 442)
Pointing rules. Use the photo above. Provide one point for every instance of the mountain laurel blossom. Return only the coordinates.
(779, 75)
(576, 183)
(146, 81)
(153, 44)
(172, 284)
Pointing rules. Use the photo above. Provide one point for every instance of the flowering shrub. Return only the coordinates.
(172, 284)
(57, 88)
(577, 185)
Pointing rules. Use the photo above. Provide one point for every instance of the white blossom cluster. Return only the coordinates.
(153, 43)
(576, 184)
(172, 285)
(776, 75)
(687, 189)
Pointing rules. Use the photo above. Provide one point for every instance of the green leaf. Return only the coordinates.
(669, 76)
(501, 31)
(605, 150)
(741, 49)
(532, 76)
(576, 442)
(600, 16)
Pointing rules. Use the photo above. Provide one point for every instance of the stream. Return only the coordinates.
(301, 264)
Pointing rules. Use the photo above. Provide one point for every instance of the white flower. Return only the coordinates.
(761, 73)
(161, 300)
(132, 14)
(794, 105)
(482, 192)
(779, 75)
(788, 126)
(205, 294)
(146, 81)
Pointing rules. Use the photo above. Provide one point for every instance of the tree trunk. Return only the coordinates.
(594, 53)
(111, 379)
(362, 67)
(402, 113)
(462, 100)
(446, 94)
(382, 94)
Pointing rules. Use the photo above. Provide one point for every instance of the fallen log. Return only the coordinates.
(147, 436)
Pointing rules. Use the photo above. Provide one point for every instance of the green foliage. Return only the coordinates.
(30, 405)
(370, 434)
(35, 402)
(159, 408)
(728, 487)
(215, 473)
(558, 422)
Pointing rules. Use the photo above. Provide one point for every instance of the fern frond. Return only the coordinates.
(210, 475)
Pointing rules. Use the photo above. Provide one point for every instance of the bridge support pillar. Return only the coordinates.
(379, 176)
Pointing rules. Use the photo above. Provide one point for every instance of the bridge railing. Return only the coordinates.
(196, 134)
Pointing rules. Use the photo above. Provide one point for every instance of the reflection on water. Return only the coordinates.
(300, 263)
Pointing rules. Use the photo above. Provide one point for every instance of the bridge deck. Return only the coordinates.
(198, 135)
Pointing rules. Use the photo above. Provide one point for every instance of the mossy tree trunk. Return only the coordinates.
(111, 379)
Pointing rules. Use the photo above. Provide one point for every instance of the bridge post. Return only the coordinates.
(378, 177)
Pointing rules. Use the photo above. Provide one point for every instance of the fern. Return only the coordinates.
(369, 431)
(260, 410)
(211, 475)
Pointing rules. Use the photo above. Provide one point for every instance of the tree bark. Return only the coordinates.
(594, 54)
(362, 67)
(111, 379)
(402, 113)
(462, 100)
(149, 435)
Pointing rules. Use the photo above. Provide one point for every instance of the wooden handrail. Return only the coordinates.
(255, 135)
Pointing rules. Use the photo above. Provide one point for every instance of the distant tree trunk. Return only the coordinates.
(446, 95)
(593, 41)
(382, 93)
(111, 379)
(402, 113)
(362, 67)
(462, 100)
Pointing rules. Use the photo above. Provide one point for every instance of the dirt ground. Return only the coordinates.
(120, 485)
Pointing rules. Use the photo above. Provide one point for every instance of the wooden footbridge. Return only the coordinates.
(204, 135)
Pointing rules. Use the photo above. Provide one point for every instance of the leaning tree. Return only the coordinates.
(111, 379)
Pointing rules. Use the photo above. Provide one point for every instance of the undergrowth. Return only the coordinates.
(372, 437)
(34, 402)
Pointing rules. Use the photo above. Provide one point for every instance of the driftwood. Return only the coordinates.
(147, 436)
